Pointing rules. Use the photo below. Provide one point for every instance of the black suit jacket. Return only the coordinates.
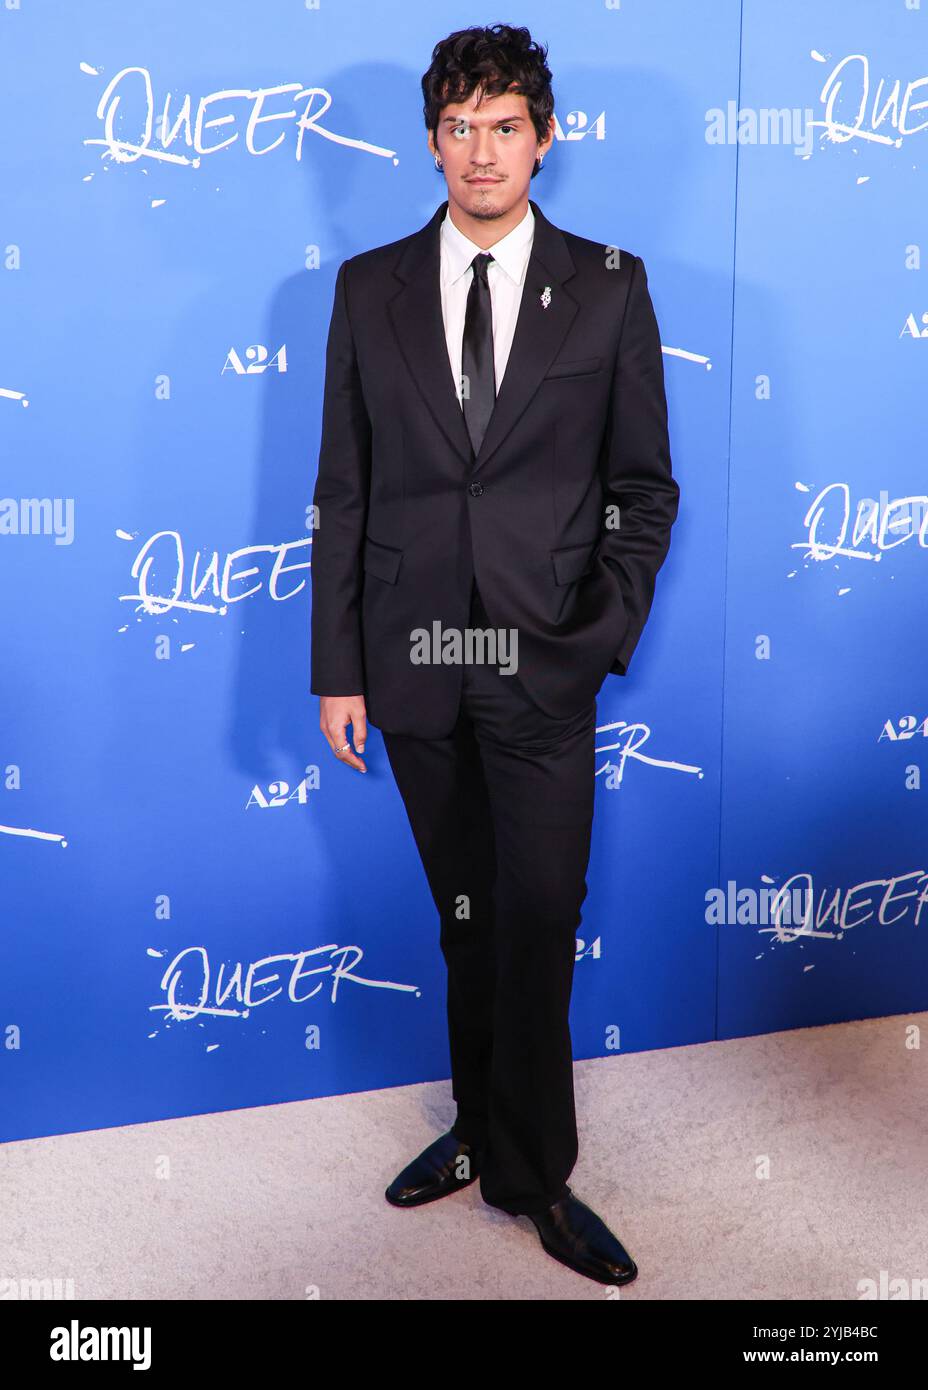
(407, 517)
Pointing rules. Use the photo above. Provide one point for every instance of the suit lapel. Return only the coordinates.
(415, 312)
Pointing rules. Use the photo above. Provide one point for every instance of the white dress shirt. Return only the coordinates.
(505, 276)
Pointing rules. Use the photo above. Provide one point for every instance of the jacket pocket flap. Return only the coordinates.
(381, 560)
(581, 367)
(572, 561)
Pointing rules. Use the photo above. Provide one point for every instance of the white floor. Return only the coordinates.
(786, 1166)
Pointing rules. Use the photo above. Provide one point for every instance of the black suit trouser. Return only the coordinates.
(501, 812)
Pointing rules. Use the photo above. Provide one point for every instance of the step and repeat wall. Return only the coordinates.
(202, 909)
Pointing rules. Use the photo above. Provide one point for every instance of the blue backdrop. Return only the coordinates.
(201, 910)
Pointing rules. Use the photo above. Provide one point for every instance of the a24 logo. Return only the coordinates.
(279, 793)
(258, 358)
(911, 327)
(908, 726)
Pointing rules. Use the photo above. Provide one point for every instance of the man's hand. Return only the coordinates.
(336, 712)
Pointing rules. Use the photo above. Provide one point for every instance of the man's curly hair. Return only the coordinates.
(495, 59)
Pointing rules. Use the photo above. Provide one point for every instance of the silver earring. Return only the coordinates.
(438, 163)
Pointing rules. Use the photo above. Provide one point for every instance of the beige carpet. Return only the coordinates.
(786, 1166)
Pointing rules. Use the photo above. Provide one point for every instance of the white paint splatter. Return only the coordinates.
(688, 356)
(33, 834)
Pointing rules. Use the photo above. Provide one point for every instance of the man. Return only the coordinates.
(494, 458)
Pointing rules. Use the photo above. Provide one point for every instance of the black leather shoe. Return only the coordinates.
(435, 1173)
(575, 1235)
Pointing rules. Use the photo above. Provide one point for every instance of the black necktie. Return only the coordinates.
(477, 368)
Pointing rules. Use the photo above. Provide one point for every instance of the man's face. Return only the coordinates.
(488, 152)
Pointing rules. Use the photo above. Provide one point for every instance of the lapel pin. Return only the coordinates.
(546, 297)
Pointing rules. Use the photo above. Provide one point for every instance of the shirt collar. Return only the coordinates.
(511, 251)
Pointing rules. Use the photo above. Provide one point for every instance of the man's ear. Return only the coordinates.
(545, 145)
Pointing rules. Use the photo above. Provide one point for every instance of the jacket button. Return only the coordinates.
(476, 489)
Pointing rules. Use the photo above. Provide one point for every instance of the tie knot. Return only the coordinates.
(479, 266)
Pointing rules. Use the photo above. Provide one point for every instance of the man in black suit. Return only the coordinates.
(494, 462)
